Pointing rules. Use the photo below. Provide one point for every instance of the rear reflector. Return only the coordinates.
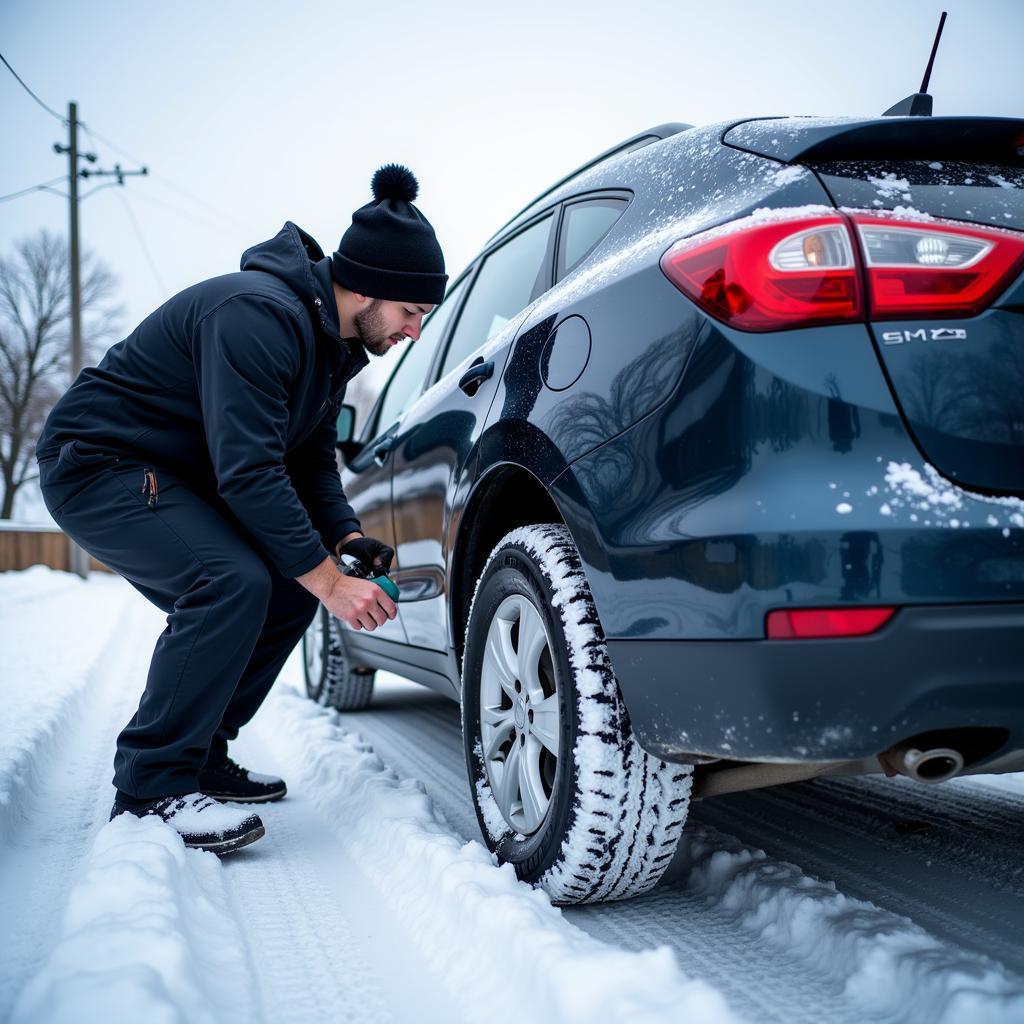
(805, 623)
(805, 266)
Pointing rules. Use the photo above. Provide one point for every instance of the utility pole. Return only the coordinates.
(78, 559)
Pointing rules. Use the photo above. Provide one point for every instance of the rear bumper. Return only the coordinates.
(930, 668)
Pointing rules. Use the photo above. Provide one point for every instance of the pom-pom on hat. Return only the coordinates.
(390, 251)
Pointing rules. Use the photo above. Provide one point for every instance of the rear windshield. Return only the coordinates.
(982, 193)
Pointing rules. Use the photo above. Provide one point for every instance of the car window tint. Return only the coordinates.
(583, 226)
(407, 381)
(504, 286)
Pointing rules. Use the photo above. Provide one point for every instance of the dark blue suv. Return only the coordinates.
(707, 475)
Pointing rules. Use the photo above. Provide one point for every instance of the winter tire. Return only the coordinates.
(562, 789)
(331, 678)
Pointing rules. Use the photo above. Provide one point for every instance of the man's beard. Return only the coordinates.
(370, 328)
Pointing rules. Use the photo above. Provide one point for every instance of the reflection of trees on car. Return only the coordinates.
(581, 423)
(972, 394)
(996, 409)
(843, 418)
(934, 389)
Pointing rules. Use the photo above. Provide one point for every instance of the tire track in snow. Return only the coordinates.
(961, 877)
(505, 953)
(348, 948)
(305, 958)
(419, 734)
(423, 739)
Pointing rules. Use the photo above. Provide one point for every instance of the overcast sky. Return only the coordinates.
(250, 114)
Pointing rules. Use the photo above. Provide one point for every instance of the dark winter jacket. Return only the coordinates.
(234, 385)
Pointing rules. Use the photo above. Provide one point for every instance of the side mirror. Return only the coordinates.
(346, 428)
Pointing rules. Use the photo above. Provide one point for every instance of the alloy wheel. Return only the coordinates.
(519, 716)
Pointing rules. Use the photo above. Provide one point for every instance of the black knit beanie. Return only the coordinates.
(390, 251)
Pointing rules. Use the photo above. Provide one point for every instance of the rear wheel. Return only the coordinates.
(331, 678)
(562, 789)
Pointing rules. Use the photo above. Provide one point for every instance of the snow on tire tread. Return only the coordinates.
(629, 807)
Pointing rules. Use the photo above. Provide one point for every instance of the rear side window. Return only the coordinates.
(584, 224)
(508, 280)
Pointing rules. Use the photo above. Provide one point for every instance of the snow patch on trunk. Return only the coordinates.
(939, 501)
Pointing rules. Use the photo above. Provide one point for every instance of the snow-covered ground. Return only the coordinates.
(372, 898)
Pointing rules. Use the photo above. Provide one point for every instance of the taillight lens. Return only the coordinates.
(934, 268)
(807, 623)
(762, 275)
(795, 269)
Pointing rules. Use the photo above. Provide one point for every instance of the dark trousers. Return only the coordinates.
(232, 618)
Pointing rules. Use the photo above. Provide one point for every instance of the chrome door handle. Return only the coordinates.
(480, 371)
(383, 450)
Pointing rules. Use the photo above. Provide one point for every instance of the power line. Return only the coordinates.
(48, 109)
(46, 185)
(203, 222)
(99, 188)
(227, 218)
(142, 243)
(96, 137)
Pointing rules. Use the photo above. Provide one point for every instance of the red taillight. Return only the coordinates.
(762, 275)
(933, 268)
(804, 623)
(805, 267)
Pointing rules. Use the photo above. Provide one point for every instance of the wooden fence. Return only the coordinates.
(22, 545)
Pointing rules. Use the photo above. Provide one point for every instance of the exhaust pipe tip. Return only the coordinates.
(938, 764)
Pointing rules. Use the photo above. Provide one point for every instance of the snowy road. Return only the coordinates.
(951, 859)
(371, 898)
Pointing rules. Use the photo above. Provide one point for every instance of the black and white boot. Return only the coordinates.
(202, 823)
(230, 781)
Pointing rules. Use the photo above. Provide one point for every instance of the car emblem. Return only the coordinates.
(924, 334)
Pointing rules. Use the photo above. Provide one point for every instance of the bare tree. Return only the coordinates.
(35, 324)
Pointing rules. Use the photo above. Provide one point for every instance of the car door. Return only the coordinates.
(438, 433)
(367, 477)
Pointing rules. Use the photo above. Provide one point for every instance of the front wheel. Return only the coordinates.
(331, 678)
(562, 789)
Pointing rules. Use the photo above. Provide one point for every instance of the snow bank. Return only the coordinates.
(481, 928)
(147, 935)
(882, 962)
(49, 650)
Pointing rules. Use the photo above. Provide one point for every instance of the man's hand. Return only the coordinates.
(374, 554)
(360, 603)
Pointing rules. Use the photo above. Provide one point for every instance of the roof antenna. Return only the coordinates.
(919, 104)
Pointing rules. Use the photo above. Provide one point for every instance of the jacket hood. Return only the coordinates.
(292, 255)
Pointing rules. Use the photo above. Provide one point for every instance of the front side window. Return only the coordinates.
(507, 282)
(407, 381)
